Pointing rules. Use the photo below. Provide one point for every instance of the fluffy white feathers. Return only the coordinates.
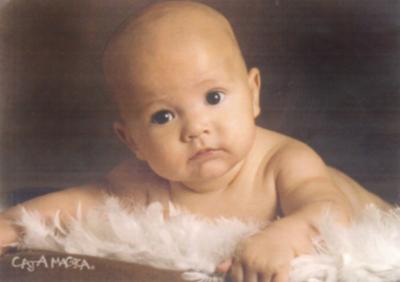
(369, 251)
(184, 242)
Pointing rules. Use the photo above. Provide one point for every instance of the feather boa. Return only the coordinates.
(368, 251)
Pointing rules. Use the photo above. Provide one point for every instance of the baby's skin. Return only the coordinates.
(188, 105)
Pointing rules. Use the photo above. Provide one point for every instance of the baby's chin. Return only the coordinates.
(208, 171)
(198, 173)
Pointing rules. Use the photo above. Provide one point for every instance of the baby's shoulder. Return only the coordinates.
(133, 181)
(282, 150)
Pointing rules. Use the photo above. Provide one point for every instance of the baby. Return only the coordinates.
(187, 106)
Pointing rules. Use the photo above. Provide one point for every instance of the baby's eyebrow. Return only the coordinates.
(207, 84)
(206, 81)
(153, 101)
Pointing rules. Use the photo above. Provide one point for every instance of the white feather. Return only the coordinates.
(368, 251)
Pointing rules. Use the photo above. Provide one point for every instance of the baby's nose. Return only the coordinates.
(194, 128)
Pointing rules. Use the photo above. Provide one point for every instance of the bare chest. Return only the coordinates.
(248, 199)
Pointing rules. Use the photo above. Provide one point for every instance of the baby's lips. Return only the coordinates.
(202, 152)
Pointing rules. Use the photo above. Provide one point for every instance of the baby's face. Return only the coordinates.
(189, 105)
(192, 120)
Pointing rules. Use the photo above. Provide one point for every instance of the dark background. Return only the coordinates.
(330, 72)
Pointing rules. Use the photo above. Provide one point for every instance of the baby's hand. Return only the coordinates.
(8, 234)
(266, 256)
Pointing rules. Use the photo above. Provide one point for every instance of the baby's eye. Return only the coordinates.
(214, 97)
(162, 117)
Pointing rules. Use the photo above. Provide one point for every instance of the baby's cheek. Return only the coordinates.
(166, 162)
(241, 134)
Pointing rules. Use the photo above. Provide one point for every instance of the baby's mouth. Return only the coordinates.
(203, 154)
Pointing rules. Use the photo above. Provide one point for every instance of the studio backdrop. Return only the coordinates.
(330, 77)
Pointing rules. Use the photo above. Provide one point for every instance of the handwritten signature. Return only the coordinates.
(68, 262)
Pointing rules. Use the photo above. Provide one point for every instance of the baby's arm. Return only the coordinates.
(126, 181)
(305, 190)
(305, 187)
(65, 201)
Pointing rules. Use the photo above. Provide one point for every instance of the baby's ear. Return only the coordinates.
(255, 85)
(123, 135)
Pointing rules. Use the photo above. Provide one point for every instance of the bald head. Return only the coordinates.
(166, 34)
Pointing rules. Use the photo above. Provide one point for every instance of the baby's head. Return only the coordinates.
(186, 99)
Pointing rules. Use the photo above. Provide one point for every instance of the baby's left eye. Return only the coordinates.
(214, 97)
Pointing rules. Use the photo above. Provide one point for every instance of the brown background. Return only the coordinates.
(330, 73)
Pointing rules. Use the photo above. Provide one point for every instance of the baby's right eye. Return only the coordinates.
(162, 117)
